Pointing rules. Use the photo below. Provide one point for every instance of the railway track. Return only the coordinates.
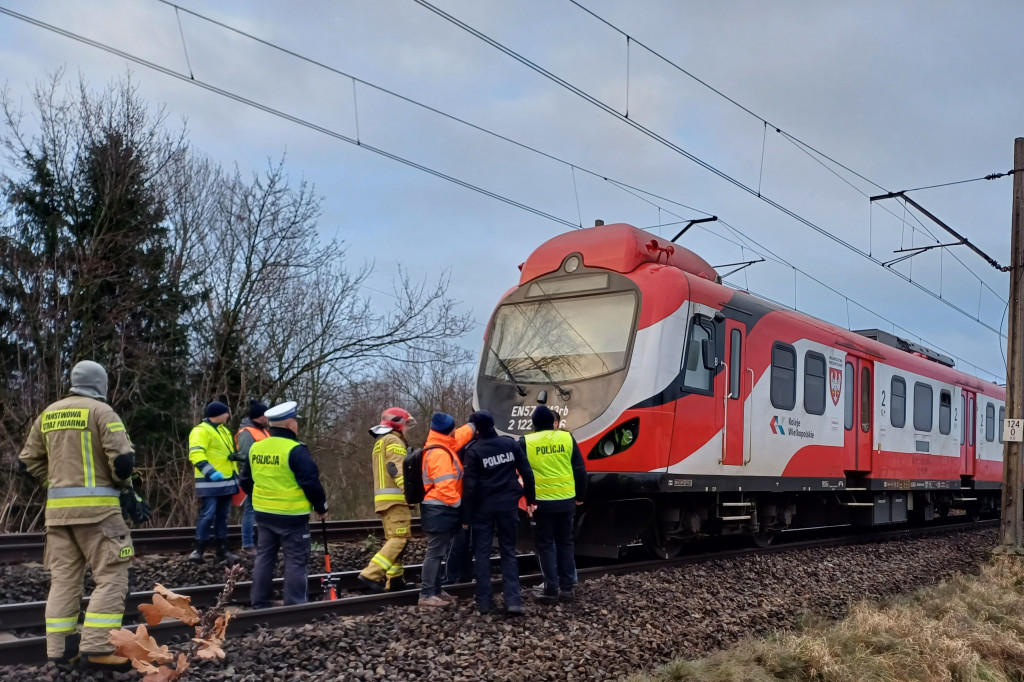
(32, 650)
(21, 547)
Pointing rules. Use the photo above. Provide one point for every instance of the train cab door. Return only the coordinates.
(738, 383)
(858, 408)
(968, 437)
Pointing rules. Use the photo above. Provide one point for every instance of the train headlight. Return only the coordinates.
(617, 440)
(572, 263)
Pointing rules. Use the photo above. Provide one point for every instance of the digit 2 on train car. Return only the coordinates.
(702, 409)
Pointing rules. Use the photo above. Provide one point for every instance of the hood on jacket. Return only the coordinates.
(89, 379)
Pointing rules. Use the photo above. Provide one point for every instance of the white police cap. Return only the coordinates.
(286, 410)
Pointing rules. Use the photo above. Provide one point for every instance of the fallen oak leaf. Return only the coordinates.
(220, 627)
(174, 598)
(183, 664)
(163, 674)
(209, 649)
(162, 608)
(139, 645)
(144, 667)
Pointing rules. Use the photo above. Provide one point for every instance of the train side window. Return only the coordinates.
(848, 400)
(970, 421)
(814, 383)
(945, 412)
(898, 402)
(923, 407)
(963, 419)
(865, 400)
(999, 426)
(783, 381)
(697, 376)
(735, 371)
(990, 422)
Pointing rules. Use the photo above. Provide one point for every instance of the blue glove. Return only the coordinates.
(216, 476)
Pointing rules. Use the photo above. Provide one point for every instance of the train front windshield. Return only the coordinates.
(561, 340)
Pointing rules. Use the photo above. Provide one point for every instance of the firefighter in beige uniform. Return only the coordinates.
(385, 569)
(79, 449)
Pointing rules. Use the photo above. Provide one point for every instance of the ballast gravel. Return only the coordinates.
(617, 626)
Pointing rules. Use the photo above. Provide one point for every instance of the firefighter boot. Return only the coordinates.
(106, 662)
(399, 583)
(196, 556)
(70, 656)
(225, 554)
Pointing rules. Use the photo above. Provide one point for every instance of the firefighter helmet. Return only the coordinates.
(397, 418)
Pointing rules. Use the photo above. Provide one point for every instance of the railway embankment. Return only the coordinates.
(619, 624)
(970, 627)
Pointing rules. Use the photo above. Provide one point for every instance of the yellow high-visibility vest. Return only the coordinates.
(275, 490)
(550, 455)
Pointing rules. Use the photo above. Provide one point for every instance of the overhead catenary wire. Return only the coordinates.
(245, 101)
(692, 157)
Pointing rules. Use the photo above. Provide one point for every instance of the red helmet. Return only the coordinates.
(397, 418)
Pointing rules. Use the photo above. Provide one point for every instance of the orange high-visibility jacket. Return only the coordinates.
(442, 471)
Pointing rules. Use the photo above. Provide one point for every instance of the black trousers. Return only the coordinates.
(290, 534)
(507, 524)
(555, 549)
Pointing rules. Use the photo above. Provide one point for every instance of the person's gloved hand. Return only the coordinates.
(216, 476)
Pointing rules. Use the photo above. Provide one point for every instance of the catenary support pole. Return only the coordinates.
(1011, 526)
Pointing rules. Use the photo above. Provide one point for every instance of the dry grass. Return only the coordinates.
(971, 628)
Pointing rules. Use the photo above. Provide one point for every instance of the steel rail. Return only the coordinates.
(32, 650)
(20, 547)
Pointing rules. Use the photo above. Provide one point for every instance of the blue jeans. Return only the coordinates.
(213, 515)
(288, 533)
(248, 522)
(458, 564)
(438, 523)
(554, 539)
(507, 524)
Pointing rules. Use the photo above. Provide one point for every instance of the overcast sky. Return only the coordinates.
(906, 94)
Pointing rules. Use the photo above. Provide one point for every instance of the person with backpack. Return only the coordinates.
(385, 570)
(442, 496)
(491, 492)
(253, 428)
(561, 479)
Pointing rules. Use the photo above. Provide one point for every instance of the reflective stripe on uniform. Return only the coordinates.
(388, 495)
(445, 504)
(400, 480)
(442, 477)
(103, 620)
(61, 624)
(66, 503)
(381, 561)
(215, 485)
(97, 491)
(196, 447)
(88, 466)
(114, 427)
(396, 570)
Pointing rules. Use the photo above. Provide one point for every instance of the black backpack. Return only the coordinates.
(412, 470)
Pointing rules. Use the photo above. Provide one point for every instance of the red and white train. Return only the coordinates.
(701, 409)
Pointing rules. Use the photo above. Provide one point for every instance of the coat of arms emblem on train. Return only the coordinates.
(835, 383)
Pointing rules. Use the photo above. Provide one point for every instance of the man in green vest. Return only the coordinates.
(284, 483)
(561, 482)
(210, 447)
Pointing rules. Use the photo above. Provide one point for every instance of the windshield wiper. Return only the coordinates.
(564, 394)
(519, 389)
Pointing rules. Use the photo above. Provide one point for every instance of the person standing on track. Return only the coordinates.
(490, 495)
(252, 429)
(284, 483)
(561, 479)
(385, 570)
(210, 447)
(439, 511)
(79, 449)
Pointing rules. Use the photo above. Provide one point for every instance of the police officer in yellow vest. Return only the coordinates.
(561, 482)
(385, 570)
(284, 483)
(210, 447)
(79, 449)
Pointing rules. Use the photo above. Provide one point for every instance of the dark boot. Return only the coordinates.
(106, 662)
(225, 554)
(372, 586)
(399, 583)
(70, 655)
(196, 556)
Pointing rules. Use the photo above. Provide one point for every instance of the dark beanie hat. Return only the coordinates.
(256, 409)
(215, 409)
(543, 418)
(442, 423)
(482, 420)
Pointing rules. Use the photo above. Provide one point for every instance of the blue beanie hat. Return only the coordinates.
(442, 423)
(543, 418)
(482, 419)
(215, 409)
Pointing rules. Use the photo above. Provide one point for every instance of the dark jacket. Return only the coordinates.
(300, 461)
(492, 466)
(579, 476)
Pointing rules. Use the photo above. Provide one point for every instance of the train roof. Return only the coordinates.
(619, 248)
